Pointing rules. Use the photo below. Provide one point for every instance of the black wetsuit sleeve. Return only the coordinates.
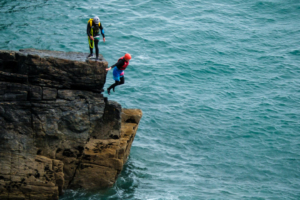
(119, 64)
(102, 31)
(88, 30)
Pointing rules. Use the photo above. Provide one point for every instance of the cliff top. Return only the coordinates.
(73, 56)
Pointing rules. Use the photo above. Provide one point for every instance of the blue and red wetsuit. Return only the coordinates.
(119, 68)
(118, 73)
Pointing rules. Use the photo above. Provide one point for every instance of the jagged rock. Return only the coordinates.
(57, 131)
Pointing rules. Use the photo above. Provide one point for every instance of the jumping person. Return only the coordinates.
(118, 72)
(93, 28)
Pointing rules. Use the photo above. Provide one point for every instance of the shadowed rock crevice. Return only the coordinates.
(57, 130)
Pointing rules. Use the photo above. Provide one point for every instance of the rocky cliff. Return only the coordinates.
(57, 130)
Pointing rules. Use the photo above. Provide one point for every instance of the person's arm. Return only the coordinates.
(102, 32)
(88, 31)
(118, 64)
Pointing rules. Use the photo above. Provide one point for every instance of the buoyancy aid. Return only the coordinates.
(126, 63)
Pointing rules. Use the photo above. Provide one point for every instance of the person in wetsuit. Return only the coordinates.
(93, 30)
(118, 72)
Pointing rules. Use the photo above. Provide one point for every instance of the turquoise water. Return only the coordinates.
(218, 83)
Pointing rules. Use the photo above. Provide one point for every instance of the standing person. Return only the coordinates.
(94, 26)
(118, 72)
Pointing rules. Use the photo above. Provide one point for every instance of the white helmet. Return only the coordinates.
(96, 20)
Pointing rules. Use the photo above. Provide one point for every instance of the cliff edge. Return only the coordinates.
(57, 130)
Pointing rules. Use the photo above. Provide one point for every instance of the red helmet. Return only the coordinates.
(127, 56)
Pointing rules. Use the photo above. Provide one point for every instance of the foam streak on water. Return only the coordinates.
(218, 83)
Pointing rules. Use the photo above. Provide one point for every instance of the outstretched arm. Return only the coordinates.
(118, 64)
(102, 32)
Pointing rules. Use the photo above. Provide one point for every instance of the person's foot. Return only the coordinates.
(108, 91)
(97, 58)
(91, 55)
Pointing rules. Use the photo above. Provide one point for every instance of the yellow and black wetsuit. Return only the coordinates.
(94, 30)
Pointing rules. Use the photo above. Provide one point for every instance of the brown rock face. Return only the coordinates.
(57, 131)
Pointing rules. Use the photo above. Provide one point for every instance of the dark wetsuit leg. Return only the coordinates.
(97, 48)
(122, 81)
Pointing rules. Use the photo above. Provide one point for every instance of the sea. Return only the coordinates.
(218, 82)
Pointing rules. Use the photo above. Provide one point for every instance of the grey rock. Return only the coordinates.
(49, 93)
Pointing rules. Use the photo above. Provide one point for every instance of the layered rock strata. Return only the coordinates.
(57, 130)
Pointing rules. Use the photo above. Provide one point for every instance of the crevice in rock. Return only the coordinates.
(72, 179)
(80, 149)
(32, 126)
(58, 150)
(115, 137)
(39, 152)
(131, 120)
(89, 111)
(69, 153)
(37, 174)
